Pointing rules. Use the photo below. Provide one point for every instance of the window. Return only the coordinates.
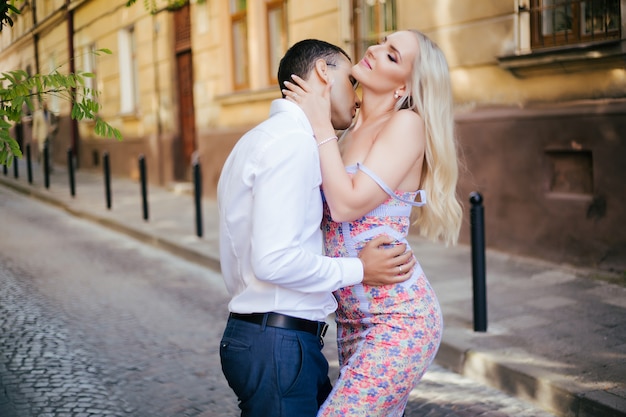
(258, 40)
(277, 35)
(373, 19)
(567, 22)
(239, 32)
(129, 87)
(89, 65)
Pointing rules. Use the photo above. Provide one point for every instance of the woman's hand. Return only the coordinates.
(315, 105)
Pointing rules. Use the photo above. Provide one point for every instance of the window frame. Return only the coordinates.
(363, 34)
(272, 67)
(129, 75)
(239, 16)
(574, 35)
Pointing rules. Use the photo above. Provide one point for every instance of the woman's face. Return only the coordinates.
(387, 66)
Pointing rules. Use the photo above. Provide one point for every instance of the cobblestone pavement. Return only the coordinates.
(93, 323)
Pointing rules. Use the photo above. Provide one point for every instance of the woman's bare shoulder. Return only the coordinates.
(406, 116)
(404, 120)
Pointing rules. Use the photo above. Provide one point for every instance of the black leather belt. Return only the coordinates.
(318, 328)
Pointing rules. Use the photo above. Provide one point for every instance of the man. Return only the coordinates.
(271, 248)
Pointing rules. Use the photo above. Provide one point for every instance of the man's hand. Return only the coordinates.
(386, 265)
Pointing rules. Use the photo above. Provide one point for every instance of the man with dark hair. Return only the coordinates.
(281, 285)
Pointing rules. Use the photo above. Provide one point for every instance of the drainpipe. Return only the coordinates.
(156, 29)
(70, 50)
(36, 38)
(157, 91)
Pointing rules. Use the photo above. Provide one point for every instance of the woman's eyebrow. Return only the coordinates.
(394, 49)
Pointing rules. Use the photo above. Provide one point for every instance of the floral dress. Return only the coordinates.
(387, 336)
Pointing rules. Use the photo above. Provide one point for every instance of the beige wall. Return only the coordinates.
(154, 55)
(209, 61)
(474, 34)
(217, 103)
(150, 129)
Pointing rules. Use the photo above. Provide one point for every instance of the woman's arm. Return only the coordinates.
(398, 147)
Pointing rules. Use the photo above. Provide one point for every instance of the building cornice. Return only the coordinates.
(604, 55)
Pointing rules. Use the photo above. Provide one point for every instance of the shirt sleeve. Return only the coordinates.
(286, 179)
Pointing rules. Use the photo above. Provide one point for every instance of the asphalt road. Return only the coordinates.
(94, 323)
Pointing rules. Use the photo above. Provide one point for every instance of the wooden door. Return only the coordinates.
(184, 69)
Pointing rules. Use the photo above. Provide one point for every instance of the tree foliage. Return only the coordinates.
(152, 5)
(18, 90)
(7, 8)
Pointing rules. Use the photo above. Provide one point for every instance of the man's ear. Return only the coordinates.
(321, 71)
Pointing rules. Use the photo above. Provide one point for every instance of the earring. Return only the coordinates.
(396, 95)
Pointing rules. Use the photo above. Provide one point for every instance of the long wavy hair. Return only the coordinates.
(431, 97)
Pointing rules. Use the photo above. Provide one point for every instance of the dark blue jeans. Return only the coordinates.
(274, 372)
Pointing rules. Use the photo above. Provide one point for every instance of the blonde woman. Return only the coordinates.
(399, 153)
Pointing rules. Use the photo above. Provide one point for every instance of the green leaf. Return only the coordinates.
(8, 76)
(76, 112)
(18, 90)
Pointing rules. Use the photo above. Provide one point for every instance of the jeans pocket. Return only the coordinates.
(289, 363)
(233, 345)
(236, 362)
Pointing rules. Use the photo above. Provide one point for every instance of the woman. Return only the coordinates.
(401, 148)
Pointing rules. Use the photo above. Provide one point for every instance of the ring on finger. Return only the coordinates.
(400, 268)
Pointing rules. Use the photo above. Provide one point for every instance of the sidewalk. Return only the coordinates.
(556, 335)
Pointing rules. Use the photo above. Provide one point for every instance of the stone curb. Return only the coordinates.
(515, 374)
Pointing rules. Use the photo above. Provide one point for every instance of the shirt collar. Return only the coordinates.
(283, 105)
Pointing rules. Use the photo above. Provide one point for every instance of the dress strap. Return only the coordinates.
(385, 187)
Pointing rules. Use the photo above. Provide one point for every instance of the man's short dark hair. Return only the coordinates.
(300, 58)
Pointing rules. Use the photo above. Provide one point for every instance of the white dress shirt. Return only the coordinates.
(270, 208)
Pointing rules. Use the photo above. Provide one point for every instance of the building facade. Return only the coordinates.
(539, 86)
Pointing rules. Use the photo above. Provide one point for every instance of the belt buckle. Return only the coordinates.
(324, 329)
(322, 333)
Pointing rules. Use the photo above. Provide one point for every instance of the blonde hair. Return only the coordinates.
(431, 98)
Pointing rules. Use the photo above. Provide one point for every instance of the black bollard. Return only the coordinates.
(16, 172)
(478, 262)
(144, 186)
(5, 169)
(197, 180)
(70, 172)
(107, 178)
(46, 165)
(29, 164)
